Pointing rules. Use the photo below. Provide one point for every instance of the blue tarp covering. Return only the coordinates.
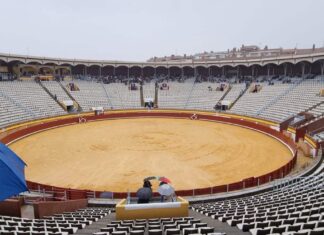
(12, 173)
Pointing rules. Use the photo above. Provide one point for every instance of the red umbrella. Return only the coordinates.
(164, 180)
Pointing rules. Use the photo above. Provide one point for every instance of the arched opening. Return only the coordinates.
(13, 68)
(28, 70)
(135, 72)
(228, 71)
(188, 71)
(3, 63)
(4, 71)
(202, 72)
(108, 71)
(318, 67)
(175, 72)
(245, 71)
(63, 70)
(215, 71)
(122, 71)
(302, 68)
(50, 64)
(258, 70)
(79, 70)
(148, 72)
(288, 69)
(272, 70)
(161, 71)
(94, 71)
(46, 70)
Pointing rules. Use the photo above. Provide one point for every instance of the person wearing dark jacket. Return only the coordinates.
(144, 194)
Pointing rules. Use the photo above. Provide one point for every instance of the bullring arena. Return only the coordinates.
(201, 152)
(157, 118)
(115, 155)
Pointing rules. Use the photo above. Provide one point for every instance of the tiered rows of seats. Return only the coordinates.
(236, 90)
(177, 95)
(204, 96)
(300, 98)
(149, 90)
(11, 112)
(250, 103)
(25, 101)
(91, 94)
(122, 97)
(318, 111)
(59, 224)
(163, 226)
(56, 89)
(296, 207)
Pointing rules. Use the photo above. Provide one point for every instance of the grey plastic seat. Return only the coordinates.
(172, 231)
(155, 232)
(137, 232)
(206, 230)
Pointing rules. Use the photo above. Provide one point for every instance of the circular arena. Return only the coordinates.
(115, 155)
(201, 152)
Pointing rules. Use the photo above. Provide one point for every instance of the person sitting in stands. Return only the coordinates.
(144, 194)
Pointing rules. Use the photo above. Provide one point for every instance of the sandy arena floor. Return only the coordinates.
(115, 155)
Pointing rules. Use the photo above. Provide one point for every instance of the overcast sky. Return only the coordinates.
(139, 29)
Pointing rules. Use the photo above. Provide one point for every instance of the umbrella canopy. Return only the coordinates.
(166, 190)
(12, 173)
(160, 178)
(152, 178)
(144, 193)
(165, 180)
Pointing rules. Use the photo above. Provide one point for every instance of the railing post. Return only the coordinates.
(227, 187)
(258, 181)
(43, 194)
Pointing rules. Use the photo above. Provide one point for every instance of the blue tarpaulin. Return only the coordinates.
(12, 173)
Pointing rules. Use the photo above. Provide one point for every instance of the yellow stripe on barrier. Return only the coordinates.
(152, 210)
(310, 141)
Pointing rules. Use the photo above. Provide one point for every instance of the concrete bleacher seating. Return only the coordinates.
(176, 97)
(25, 101)
(91, 94)
(56, 89)
(201, 98)
(149, 90)
(236, 90)
(121, 97)
(295, 206)
(250, 103)
(319, 110)
(62, 224)
(300, 98)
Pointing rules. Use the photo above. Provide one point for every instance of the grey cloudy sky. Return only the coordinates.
(140, 29)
